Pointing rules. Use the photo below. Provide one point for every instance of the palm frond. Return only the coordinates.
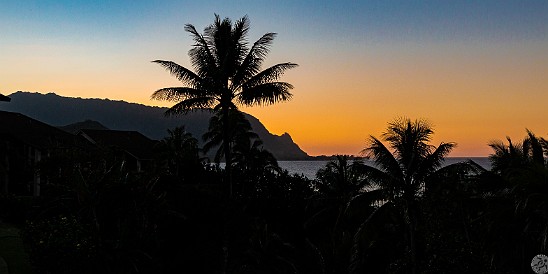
(319, 255)
(265, 94)
(365, 199)
(535, 144)
(383, 157)
(213, 138)
(465, 168)
(408, 139)
(270, 74)
(181, 73)
(176, 94)
(514, 150)
(376, 176)
(239, 33)
(433, 161)
(252, 62)
(544, 145)
(190, 104)
(212, 142)
(387, 181)
(507, 157)
(228, 44)
(498, 146)
(201, 56)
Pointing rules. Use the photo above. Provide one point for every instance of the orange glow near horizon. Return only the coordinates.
(335, 109)
(469, 100)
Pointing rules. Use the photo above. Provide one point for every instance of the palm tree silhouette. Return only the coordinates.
(515, 156)
(342, 178)
(522, 172)
(344, 200)
(180, 152)
(403, 170)
(227, 73)
(251, 157)
(240, 130)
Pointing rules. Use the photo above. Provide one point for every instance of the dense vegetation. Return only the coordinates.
(406, 214)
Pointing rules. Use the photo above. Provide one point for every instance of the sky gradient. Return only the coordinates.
(477, 70)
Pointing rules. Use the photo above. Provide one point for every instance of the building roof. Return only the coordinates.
(4, 98)
(133, 142)
(17, 126)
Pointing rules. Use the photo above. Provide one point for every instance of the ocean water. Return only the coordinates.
(309, 168)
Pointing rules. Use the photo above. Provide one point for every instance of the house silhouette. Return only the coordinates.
(26, 142)
(135, 149)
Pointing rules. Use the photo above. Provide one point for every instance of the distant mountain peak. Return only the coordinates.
(286, 135)
(120, 115)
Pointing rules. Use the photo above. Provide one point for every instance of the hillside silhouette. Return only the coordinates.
(120, 115)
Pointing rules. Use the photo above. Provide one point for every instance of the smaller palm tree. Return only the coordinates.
(240, 134)
(509, 158)
(251, 158)
(403, 169)
(342, 177)
(180, 151)
(522, 172)
(345, 198)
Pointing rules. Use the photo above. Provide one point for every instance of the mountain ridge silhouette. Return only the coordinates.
(63, 111)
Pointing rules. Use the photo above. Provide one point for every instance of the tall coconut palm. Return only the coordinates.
(227, 73)
(404, 167)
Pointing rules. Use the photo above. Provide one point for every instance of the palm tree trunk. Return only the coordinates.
(410, 224)
(413, 249)
(227, 180)
(227, 150)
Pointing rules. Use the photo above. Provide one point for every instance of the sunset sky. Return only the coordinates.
(477, 70)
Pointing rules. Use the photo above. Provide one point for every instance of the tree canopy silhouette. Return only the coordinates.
(509, 158)
(403, 170)
(180, 153)
(522, 172)
(240, 131)
(227, 73)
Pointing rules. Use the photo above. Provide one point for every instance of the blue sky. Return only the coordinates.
(399, 20)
